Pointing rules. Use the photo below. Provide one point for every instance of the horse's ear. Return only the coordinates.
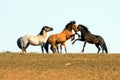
(43, 26)
(74, 22)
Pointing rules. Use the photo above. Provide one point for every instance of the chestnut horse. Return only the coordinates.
(61, 37)
(87, 36)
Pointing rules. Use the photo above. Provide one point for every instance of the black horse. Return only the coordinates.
(87, 36)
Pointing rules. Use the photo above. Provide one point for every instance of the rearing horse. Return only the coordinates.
(40, 39)
(61, 37)
(87, 36)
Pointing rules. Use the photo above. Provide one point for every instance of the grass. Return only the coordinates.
(35, 66)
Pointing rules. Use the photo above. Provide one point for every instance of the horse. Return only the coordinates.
(87, 36)
(61, 37)
(40, 39)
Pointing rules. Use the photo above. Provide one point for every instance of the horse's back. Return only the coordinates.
(34, 40)
(59, 38)
(28, 37)
(52, 38)
(25, 37)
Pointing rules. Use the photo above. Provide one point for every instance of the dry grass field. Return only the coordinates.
(34, 66)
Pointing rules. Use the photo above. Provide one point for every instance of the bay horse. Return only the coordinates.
(87, 36)
(61, 37)
(40, 39)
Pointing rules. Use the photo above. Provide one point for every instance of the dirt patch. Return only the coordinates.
(59, 67)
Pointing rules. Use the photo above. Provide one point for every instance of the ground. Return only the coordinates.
(38, 66)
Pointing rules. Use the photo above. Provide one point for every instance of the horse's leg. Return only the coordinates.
(65, 47)
(73, 36)
(79, 36)
(60, 48)
(97, 45)
(57, 47)
(42, 46)
(75, 41)
(53, 48)
(84, 46)
(102, 47)
(24, 49)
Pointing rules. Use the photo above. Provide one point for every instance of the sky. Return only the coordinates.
(20, 17)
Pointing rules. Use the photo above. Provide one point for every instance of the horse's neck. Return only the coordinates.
(69, 29)
(44, 34)
(84, 32)
(68, 33)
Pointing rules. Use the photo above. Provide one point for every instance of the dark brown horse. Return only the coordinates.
(87, 36)
(61, 37)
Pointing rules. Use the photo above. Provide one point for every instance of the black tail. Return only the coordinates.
(20, 43)
(102, 42)
(106, 50)
(47, 46)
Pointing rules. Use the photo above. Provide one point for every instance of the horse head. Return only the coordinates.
(71, 26)
(47, 28)
(83, 28)
(74, 26)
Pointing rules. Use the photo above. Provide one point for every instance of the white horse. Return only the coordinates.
(40, 39)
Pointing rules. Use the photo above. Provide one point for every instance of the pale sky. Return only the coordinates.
(20, 17)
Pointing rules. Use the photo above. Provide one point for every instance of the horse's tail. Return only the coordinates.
(20, 42)
(106, 50)
(102, 42)
(47, 46)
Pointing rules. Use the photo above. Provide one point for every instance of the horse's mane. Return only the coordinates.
(41, 32)
(71, 22)
(84, 27)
